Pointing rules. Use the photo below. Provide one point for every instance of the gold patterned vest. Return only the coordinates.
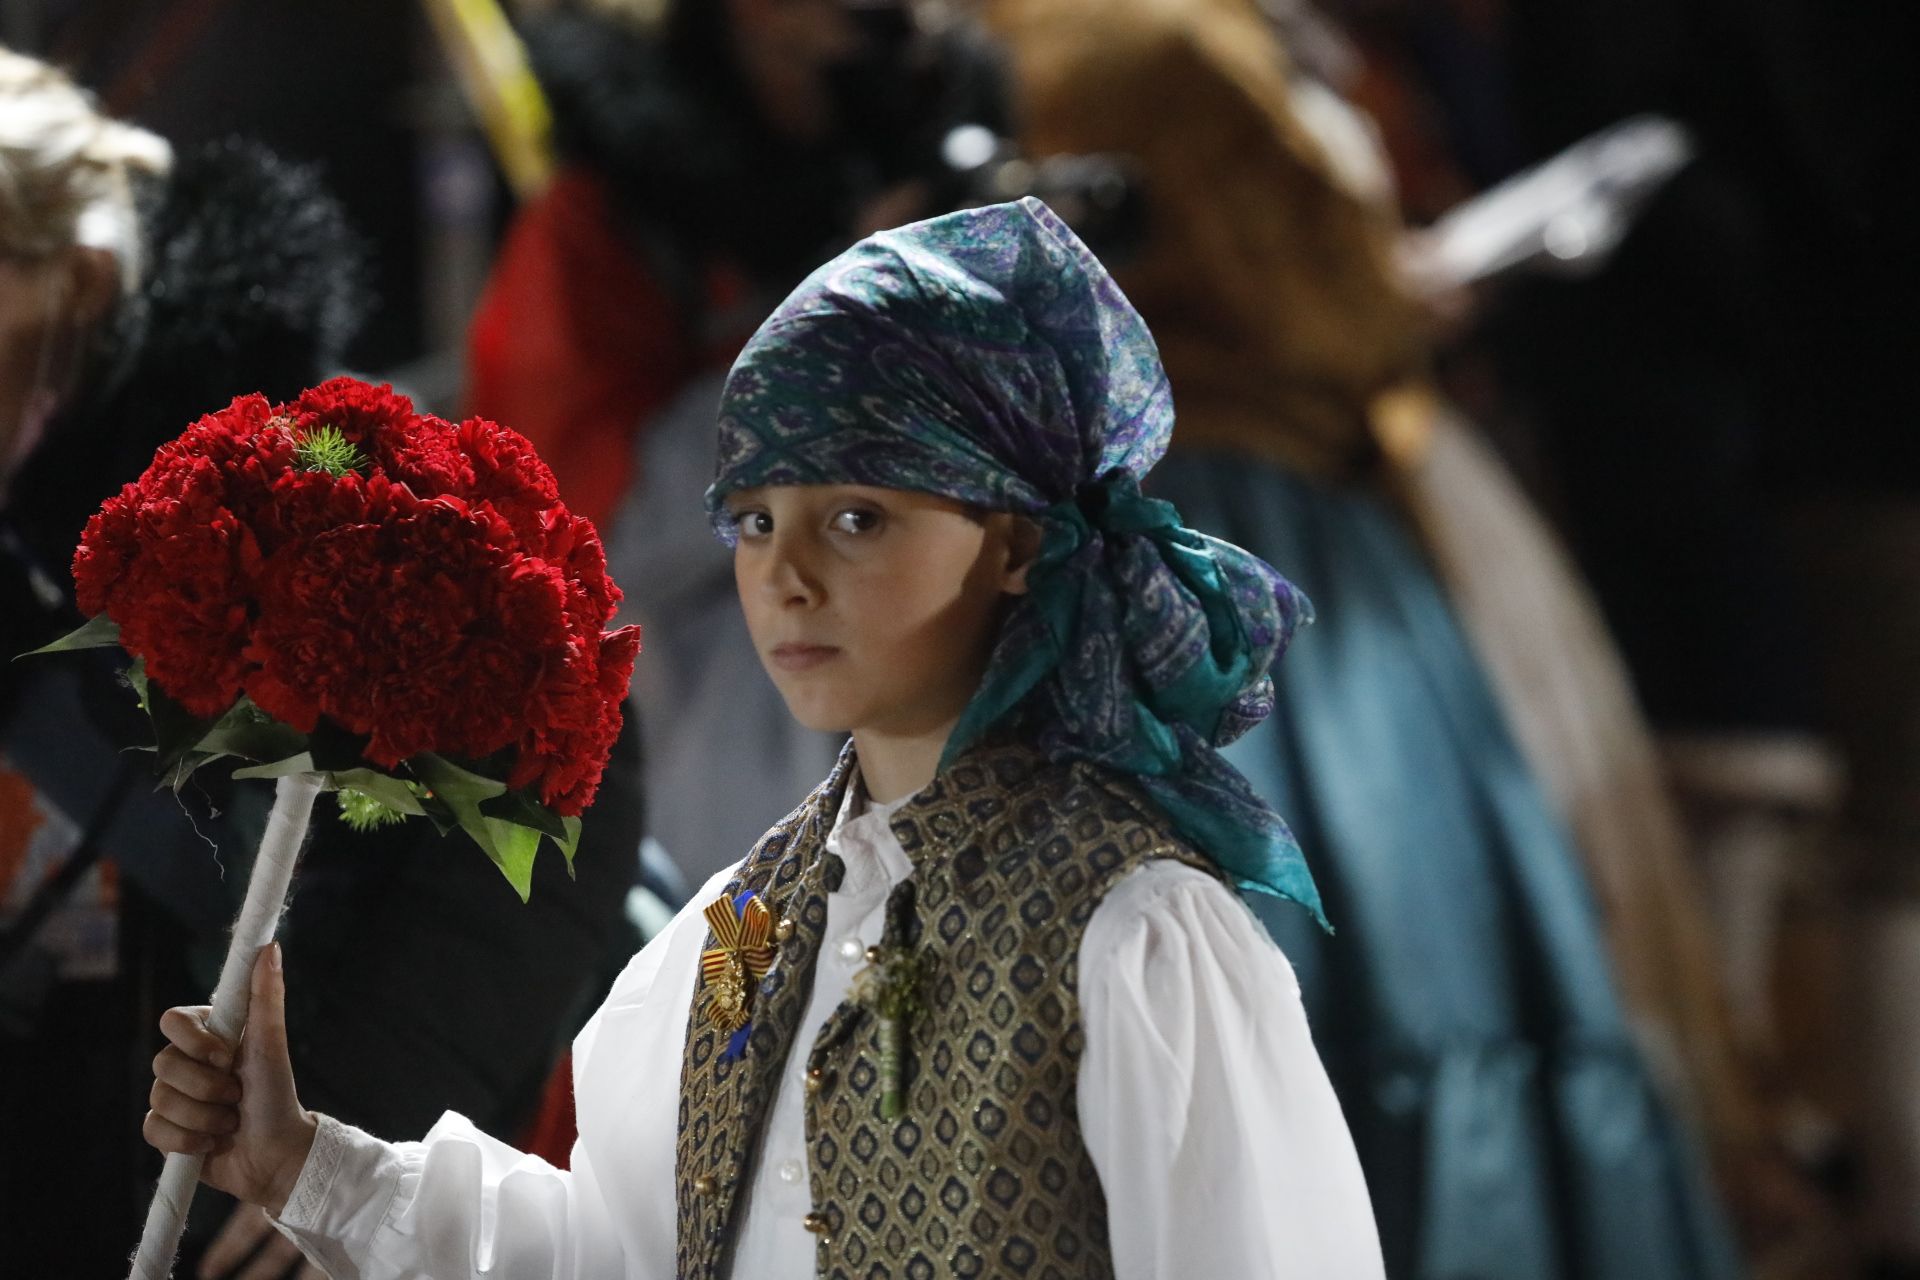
(986, 1173)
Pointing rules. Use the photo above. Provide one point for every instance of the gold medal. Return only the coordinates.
(741, 955)
(727, 996)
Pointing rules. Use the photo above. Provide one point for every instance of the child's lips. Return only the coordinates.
(802, 657)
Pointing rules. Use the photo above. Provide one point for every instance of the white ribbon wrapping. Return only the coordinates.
(259, 918)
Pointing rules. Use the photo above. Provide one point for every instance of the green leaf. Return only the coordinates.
(97, 632)
(176, 735)
(509, 845)
(439, 814)
(395, 793)
(518, 806)
(302, 763)
(175, 774)
(454, 784)
(521, 809)
(512, 850)
(248, 731)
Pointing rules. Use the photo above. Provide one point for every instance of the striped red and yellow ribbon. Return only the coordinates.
(746, 935)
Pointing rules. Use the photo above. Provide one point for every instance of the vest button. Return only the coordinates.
(816, 1223)
(816, 1079)
(705, 1185)
(783, 930)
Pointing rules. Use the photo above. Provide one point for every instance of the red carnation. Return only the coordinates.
(236, 454)
(574, 723)
(572, 541)
(508, 474)
(365, 414)
(427, 459)
(184, 603)
(107, 547)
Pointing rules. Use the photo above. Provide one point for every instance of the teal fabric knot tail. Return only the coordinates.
(1144, 645)
(988, 357)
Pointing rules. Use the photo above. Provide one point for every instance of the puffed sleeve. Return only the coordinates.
(460, 1203)
(1219, 1142)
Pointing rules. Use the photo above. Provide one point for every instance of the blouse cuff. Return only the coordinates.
(309, 1195)
(344, 1194)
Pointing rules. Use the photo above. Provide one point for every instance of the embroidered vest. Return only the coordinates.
(986, 1173)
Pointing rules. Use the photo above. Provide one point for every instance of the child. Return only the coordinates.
(985, 1003)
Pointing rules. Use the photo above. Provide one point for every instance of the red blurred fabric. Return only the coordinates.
(551, 1132)
(575, 344)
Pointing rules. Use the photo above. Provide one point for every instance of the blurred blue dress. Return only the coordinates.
(1465, 1010)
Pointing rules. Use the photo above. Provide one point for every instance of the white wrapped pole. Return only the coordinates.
(259, 916)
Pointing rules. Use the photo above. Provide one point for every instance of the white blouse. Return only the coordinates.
(1218, 1141)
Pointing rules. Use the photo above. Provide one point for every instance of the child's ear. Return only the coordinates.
(1023, 539)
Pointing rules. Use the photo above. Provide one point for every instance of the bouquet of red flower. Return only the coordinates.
(342, 586)
(359, 598)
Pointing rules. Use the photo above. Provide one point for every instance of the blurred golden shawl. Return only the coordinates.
(1266, 278)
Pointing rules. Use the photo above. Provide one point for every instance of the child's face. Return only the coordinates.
(873, 609)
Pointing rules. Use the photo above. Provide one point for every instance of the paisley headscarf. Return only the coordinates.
(986, 356)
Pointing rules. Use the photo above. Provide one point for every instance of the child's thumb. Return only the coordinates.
(264, 1058)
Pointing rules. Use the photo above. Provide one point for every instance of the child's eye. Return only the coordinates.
(855, 520)
(752, 524)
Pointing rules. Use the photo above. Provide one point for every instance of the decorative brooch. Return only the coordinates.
(741, 956)
(893, 986)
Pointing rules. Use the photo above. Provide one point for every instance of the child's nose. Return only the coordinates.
(790, 578)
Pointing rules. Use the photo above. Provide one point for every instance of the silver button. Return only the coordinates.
(790, 1171)
(851, 949)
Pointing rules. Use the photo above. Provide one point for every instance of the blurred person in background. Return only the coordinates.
(1739, 372)
(74, 258)
(142, 290)
(711, 153)
(1500, 1101)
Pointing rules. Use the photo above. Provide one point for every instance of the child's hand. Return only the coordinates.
(248, 1121)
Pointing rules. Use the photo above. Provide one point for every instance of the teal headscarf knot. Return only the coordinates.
(987, 356)
(1146, 645)
(1205, 696)
(1114, 504)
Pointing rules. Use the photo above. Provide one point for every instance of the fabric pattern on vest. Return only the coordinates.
(986, 1174)
(724, 1102)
